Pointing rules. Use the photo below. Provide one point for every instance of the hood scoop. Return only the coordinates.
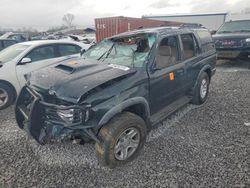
(74, 66)
(65, 68)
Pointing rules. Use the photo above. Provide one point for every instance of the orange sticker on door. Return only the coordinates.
(171, 76)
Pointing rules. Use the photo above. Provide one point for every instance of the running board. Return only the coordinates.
(168, 110)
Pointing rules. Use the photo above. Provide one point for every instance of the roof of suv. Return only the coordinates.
(160, 30)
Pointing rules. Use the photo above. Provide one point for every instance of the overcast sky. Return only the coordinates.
(42, 14)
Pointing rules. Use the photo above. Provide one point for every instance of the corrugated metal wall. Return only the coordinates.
(107, 27)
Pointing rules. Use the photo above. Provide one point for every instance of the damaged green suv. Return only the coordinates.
(118, 90)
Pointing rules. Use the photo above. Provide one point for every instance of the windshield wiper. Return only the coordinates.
(106, 53)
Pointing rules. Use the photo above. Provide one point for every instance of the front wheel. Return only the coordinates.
(7, 96)
(201, 89)
(121, 139)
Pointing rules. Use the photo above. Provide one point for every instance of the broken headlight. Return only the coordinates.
(73, 116)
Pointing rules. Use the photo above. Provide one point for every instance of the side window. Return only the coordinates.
(1, 45)
(68, 49)
(168, 52)
(41, 53)
(189, 45)
(206, 40)
(8, 43)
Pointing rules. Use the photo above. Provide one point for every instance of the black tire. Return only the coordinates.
(198, 98)
(4, 88)
(109, 137)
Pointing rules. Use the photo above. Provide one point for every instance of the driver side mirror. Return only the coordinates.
(25, 60)
(213, 32)
(82, 51)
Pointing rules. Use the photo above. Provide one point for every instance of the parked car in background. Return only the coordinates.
(4, 43)
(18, 37)
(18, 60)
(232, 40)
(118, 90)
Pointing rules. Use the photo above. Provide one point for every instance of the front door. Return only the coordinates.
(169, 75)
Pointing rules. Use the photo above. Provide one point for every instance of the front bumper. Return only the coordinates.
(40, 120)
(224, 53)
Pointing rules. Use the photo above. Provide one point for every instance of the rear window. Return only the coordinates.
(206, 40)
(204, 35)
(188, 44)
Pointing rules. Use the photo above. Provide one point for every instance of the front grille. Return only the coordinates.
(64, 115)
(228, 43)
(25, 104)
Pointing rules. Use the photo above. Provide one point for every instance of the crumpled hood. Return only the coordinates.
(70, 80)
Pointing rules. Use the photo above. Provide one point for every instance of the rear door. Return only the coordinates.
(191, 57)
(166, 81)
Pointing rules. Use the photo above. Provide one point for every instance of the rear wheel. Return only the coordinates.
(7, 96)
(201, 89)
(121, 139)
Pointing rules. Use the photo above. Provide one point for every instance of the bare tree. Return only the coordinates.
(68, 19)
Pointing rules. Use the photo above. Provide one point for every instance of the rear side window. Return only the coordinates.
(8, 43)
(189, 45)
(68, 49)
(41, 53)
(206, 40)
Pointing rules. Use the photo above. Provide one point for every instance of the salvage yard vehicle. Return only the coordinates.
(22, 58)
(119, 90)
(232, 40)
(18, 37)
(4, 43)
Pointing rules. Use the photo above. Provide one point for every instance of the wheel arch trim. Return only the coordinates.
(204, 69)
(122, 106)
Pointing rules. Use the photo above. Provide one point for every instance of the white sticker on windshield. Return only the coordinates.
(121, 67)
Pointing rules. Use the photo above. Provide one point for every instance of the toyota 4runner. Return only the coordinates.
(118, 90)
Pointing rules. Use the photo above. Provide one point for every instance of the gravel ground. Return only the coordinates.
(205, 146)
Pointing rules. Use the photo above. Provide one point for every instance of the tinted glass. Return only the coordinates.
(68, 49)
(235, 26)
(41, 53)
(206, 40)
(1, 46)
(188, 45)
(8, 43)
